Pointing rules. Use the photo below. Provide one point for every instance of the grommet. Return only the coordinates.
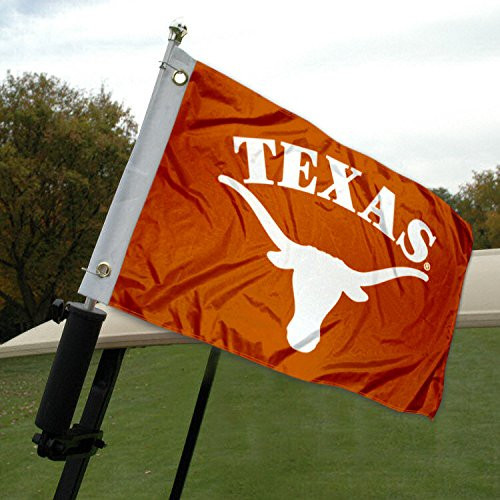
(180, 77)
(103, 270)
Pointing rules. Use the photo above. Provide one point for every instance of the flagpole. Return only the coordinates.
(74, 353)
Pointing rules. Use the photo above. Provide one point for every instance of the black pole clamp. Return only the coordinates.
(78, 442)
(59, 311)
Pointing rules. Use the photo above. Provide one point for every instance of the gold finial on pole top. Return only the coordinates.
(178, 31)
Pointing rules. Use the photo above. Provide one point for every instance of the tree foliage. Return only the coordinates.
(62, 152)
(478, 202)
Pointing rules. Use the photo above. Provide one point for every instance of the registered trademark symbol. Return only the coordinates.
(427, 266)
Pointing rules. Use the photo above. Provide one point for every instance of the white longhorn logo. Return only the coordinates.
(318, 278)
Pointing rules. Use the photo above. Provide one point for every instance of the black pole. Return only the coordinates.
(91, 421)
(194, 427)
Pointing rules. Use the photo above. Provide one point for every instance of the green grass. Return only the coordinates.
(265, 435)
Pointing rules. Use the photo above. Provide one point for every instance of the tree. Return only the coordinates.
(478, 202)
(446, 196)
(62, 152)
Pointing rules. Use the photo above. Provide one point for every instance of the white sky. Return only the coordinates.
(415, 85)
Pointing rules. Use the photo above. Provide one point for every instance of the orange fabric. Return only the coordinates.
(197, 262)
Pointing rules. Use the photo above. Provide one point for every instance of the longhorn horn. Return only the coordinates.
(390, 273)
(265, 219)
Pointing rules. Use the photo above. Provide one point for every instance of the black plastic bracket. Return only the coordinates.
(84, 442)
(58, 311)
(78, 442)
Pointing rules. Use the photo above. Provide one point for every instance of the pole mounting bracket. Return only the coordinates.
(78, 442)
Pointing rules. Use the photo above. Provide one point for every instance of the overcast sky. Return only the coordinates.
(415, 85)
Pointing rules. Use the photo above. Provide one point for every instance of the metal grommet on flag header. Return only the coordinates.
(103, 270)
(180, 77)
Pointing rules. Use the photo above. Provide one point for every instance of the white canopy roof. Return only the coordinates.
(118, 330)
(480, 303)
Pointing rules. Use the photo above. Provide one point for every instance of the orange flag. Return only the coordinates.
(264, 237)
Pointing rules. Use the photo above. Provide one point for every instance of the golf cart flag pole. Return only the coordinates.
(83, 321)
(113, 240)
